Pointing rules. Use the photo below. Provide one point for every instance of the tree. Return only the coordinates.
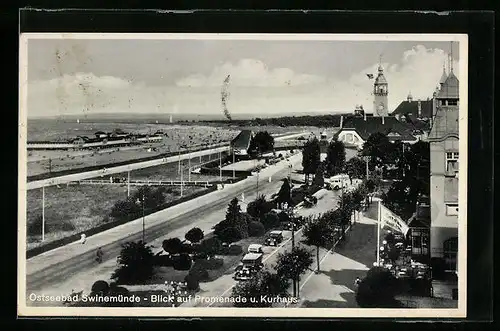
(233, 211)
(100, 288)
(262, 142)
(229, 235)
(271, 220)
(194, 235)
(378, 147)
(172, 245)
(377, 290)
(264, 283)
(256, 229)
(311, 157)
(210, 246)
(319, 179)
(318, 232)
(356, 168)
(259, 207)
(284, 194)
(135, 262)
(291, 265)
(335, 157)
(346, 207)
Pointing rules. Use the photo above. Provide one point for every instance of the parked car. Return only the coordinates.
(310, 200)
(338, 181)
(255, 248)
(250, 264)
(274, 238)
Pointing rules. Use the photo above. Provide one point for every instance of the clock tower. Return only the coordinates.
(380, 92)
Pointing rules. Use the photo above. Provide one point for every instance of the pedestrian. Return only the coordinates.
(357, 281)
(83, 239)
(99, 254)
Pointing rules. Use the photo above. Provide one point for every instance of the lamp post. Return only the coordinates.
(143, 218)
(220, 166)
(43, 213)
(234, 173)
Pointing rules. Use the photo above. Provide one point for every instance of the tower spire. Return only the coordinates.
(451, 56)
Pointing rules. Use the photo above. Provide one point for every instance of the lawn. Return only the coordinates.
(72, 209)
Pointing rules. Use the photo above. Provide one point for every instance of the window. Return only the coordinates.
(452, 102)
(452, 163)
(452, 209)
(450, 250)
(420, 241)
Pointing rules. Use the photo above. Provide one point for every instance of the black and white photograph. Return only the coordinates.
(303, 175)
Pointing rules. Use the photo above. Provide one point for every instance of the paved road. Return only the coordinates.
(222, 286)
(60, 264)
(129, 167)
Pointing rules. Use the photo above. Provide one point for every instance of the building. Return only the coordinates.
(380, 93)
(241, 142)
(419, 233)
(355, 130)
(444, 158)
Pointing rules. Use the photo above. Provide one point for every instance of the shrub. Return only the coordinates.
(100, 287)
(172, 245)
(233, 250)
(271, 220)
(182, 262)
(194, 235)
(193, 284)
(163, 260)
(124, 210)
(210, 246)
(377, 289)
(187, 248)
(199, 270)
(230, 235)
(256, 229)
(135, 264)
(284, 217)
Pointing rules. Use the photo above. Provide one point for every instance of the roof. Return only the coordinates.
(449, 89)
(407, 107)
(365, 128)
(242, 140)
(275, 232)
(444, 76)
(251, 256)
(380, 78)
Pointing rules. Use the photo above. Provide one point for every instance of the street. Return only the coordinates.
(73, 266)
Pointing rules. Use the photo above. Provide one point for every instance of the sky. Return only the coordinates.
(82, 76)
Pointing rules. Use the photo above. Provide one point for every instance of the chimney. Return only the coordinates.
(341, 121)
(419, 105)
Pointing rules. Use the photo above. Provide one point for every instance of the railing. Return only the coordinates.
(144, 182)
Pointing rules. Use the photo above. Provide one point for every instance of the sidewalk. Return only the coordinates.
(333, 286)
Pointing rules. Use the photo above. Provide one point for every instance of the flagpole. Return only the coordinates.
(378, 233)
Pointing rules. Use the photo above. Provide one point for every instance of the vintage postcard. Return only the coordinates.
(320, 175)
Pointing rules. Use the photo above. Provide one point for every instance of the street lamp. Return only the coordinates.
(143, 217)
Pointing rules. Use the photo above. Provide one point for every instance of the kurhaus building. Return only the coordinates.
(444, 158)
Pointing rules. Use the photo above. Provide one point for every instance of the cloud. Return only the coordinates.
(250, 72)
(254, 88)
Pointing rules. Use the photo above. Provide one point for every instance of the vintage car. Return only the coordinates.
(250, 264)
(310, 200)
(255, 248)
(274, 238)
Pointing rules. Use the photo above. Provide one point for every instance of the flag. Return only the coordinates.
(391, 220)
(370, 76)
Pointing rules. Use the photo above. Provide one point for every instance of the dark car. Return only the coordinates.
(274, 238)
(310, 200)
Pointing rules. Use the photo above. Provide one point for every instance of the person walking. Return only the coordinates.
(99, 255)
